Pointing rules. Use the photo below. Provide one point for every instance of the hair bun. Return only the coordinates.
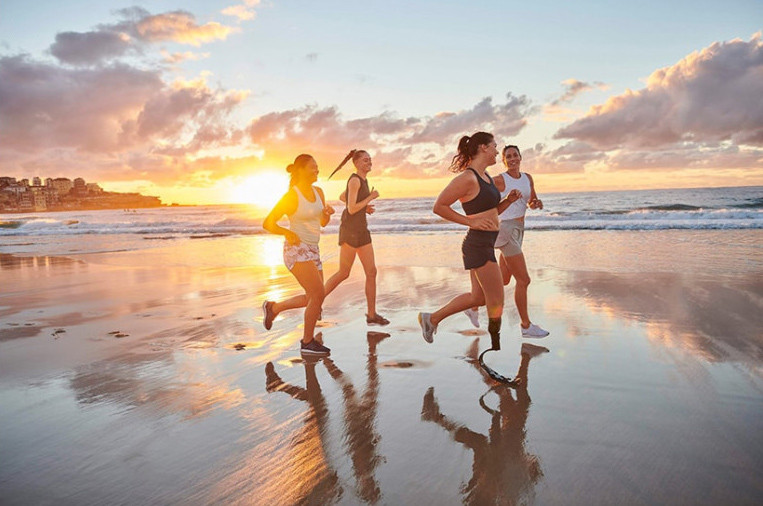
(290, 168)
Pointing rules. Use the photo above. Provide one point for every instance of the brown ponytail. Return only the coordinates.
(351, 154)
(468, 147)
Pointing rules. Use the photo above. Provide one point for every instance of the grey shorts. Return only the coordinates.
(510, 237)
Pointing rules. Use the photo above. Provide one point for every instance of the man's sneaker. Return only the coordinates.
(377, 320)
(313, 348)
(474, 316)
(267, 314)
(533, 331)
(427, 329)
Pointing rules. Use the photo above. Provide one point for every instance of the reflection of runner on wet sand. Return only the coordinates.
(359, 422)
(315, 477)
(502, 471)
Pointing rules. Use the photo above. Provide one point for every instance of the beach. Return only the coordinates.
(146, 376)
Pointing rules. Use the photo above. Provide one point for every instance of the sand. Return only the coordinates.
(147, 377)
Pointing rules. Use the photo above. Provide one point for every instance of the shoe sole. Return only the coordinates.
(265, 316)
(311, 352)
(525, 336)
(423, 332)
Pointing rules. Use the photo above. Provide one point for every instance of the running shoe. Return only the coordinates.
(313, 348)
(377, 320)
(267, 314)
(474, 316)
(427, 329)
(533, 331)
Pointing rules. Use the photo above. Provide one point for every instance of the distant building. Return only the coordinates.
(80, 188)
(63, 185)
(94, 189)
(38, 197)
(24, 182)
(36, 181)
(7, 181)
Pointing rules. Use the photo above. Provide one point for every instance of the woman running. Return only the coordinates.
(480, 200)
(354, 237)
(306, 208)
(511, 234)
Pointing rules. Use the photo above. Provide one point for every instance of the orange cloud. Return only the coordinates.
(180, 26)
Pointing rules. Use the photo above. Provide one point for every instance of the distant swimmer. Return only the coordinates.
(511, 234)
(305, 205)
(354, 236)
(481, 201)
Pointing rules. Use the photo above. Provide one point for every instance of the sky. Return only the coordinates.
(204, 102)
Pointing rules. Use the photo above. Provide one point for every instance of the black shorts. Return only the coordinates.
(478, 248)
(354, 238)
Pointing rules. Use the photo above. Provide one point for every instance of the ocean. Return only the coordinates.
(739, 208)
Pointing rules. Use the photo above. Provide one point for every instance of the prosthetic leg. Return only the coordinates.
(494, 327)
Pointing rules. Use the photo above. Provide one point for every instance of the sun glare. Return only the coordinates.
(262, 190)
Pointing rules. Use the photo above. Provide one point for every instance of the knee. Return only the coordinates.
(343, 274)
(371, 273)
(523, 280)
(318, 295)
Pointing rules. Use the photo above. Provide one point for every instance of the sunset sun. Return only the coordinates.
(261, 190)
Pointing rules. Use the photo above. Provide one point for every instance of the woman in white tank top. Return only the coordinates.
(511, 234)
(305, 205)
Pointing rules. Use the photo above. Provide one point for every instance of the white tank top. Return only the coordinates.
(306, 220)
(518, 208)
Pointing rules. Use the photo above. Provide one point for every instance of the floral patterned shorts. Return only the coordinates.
(302, 252)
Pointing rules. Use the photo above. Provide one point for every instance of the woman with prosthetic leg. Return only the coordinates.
(480, 200)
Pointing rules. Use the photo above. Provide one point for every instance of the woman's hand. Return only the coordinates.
(374, 194)
(513, 196)
(370, 209)
(328, 211)
(535, 204)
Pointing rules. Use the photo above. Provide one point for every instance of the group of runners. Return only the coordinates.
(494, 210)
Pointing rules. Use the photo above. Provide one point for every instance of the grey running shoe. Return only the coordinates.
(313, 348)
(427, 329)
(474, 316)
(267, 314)
(533, 331)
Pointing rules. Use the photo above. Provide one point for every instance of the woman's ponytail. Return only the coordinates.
(468, 147)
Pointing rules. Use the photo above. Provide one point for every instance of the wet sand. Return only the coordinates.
(147, 377)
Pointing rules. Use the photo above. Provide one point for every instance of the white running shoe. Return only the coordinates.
(427, 329)
(474, 316)
(533, 331)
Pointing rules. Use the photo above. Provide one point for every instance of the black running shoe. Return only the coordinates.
(313, 348)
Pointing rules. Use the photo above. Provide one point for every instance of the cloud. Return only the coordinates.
(243, 11)
(503, 120)
(184, 56)
(575, 88)
(97, 117)
(712, 95)
(136, 29)
(569, 158)
(407, 147)
(90, 47)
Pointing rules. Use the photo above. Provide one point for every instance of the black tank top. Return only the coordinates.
(357, 221)
(487, 198)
